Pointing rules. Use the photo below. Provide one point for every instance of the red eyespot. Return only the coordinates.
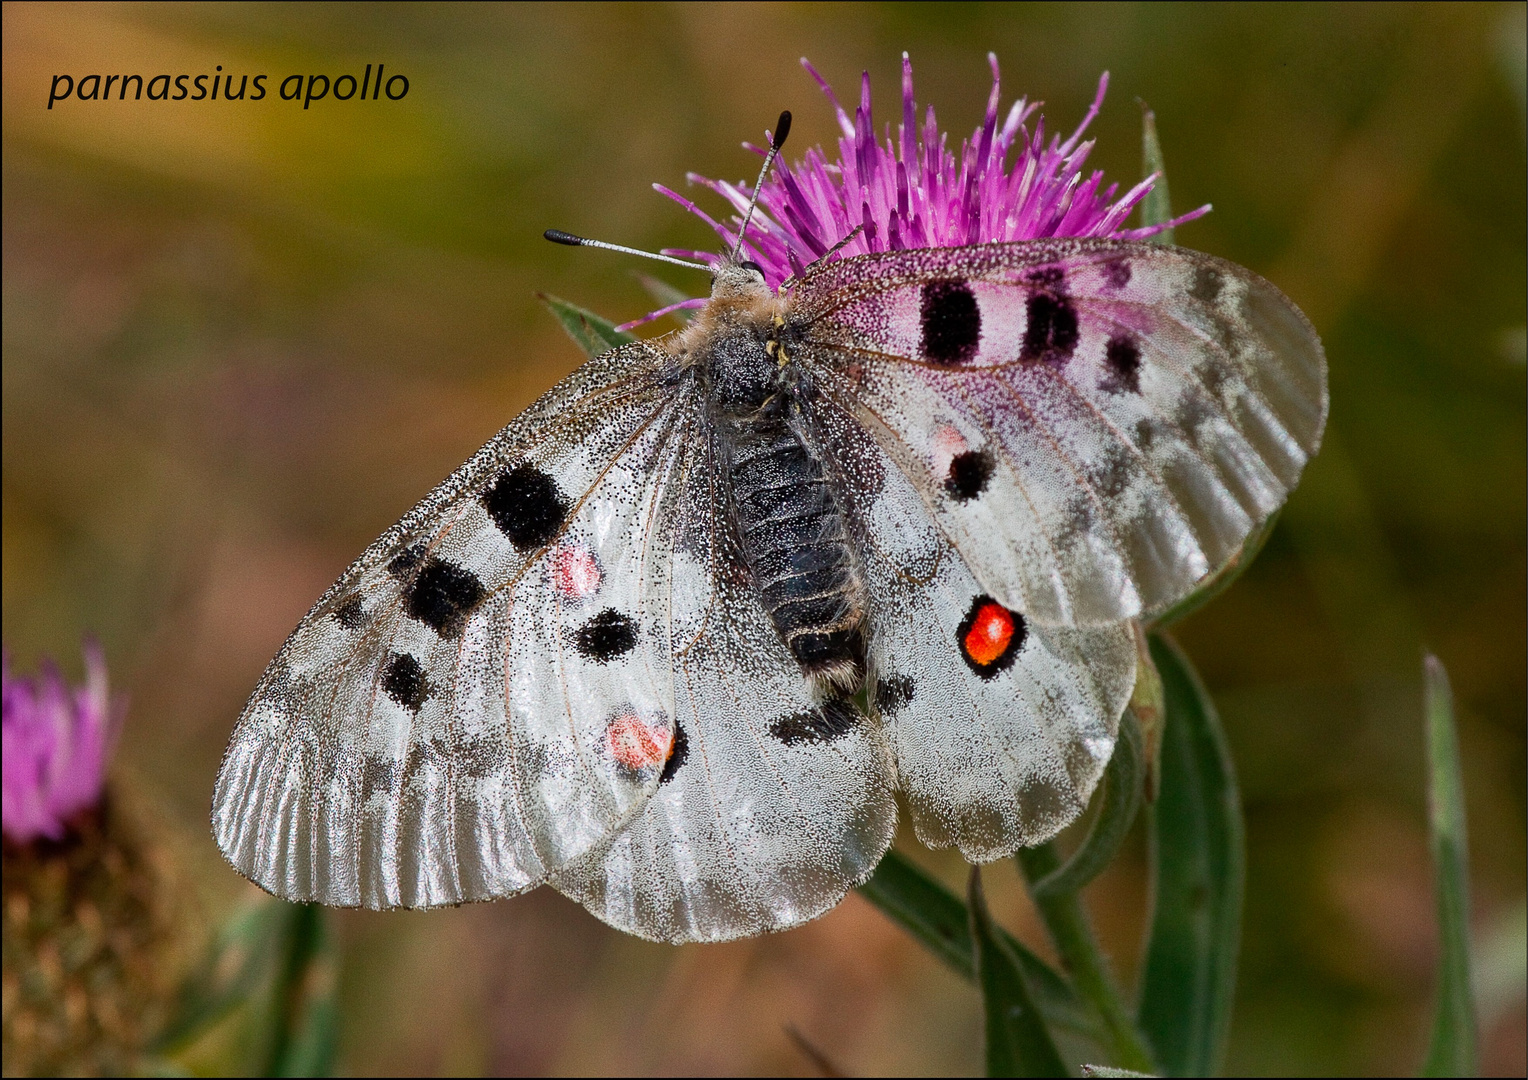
(637, 744)
(990, 636)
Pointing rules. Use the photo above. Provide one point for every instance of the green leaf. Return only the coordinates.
(1018, 1042)
(940, 920)
(309, 1013)
(1150, 712)
(1452, 1050)
(1069, 928)
(1199, 867)
(262, 1001)
(589, 331)
(1157, 206)
(1218, 582)
(1119, 800)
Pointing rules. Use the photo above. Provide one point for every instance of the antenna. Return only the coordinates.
(557, 236)
(782, 129)
(826, 255)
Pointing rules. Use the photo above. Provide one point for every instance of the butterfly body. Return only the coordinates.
(615, 651)
(794, 535)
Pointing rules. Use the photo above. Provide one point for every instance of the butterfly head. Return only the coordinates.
(743, 280)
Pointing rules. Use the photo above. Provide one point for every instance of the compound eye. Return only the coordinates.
(748, 264)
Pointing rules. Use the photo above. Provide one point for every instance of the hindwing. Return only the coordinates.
(1000, 726)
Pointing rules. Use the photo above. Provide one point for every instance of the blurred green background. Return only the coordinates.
(240, 339)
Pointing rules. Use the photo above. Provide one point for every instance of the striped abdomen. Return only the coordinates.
(797, 545)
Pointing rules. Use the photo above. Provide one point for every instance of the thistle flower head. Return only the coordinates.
(56, 741)
(909, 189)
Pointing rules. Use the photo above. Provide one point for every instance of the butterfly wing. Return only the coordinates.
(1000, 726)
(483, 697)
(1096, 425)
(774, 804)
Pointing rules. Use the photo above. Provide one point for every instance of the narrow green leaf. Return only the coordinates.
(1198, 862)
(1119, 800)
(589, 331)
(940, 920)
(234, 968)
(1157, 206)
(305, 997)
(1018, 1042)
(262, 1000)
(1150, 712)
(1499, 964)
(1452, 1050)
(924, 908)
(1069, 928)
(1220, 580)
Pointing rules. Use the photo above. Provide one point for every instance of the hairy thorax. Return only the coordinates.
(791, 524)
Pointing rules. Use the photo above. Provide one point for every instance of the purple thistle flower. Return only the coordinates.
(56, 741)
(912, 191)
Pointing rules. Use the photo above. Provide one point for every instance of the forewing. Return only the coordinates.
(1096, 425)
(774, 804)
(482, 698)
(1000, 726)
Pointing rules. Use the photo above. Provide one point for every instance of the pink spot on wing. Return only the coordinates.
(637, 743)
(575, 572)
(948, 445)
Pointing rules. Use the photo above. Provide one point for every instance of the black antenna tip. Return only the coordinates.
(557, 236)
(782, 129)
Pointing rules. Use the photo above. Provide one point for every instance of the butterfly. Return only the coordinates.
(676, 638)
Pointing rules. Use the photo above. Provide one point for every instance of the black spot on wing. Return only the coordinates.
(1208, 282)
(349, 614)
(442, 597)
(1052, 277)
(891, 693)
(1116, 273)
(677, 754)
(423, 753)
(1123, 358)
(526, 506)
(833, 720)
(951, 322)
(403, 680)
(606, 636)
(406, 561)
(968, 476)
(474, 758)
(378, 774)
(1050, 332)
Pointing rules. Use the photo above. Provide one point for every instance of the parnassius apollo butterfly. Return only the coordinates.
(620, 650)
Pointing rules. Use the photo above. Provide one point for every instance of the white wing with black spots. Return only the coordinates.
(1000, 726)
(482, 698)
(1095, 424)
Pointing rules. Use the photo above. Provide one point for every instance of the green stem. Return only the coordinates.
(1073, 934)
